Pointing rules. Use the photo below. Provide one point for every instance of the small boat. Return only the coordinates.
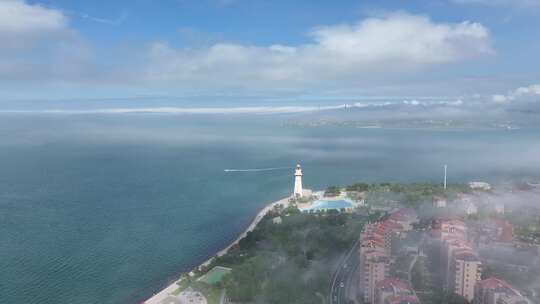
(534, 184)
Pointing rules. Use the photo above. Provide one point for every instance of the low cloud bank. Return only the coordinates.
(528, 93)
(243, 110)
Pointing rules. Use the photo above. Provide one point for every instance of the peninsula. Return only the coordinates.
(369, 243)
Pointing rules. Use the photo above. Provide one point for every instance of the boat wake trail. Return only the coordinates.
(256, 170)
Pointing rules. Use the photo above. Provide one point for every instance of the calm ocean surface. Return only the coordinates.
(111, 208)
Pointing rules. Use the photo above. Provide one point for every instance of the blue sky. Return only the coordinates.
(269, 50)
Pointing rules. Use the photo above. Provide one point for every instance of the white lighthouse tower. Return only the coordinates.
(298, 191)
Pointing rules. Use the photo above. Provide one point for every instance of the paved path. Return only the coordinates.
(222, 297)
(342, 278)
(411, 266)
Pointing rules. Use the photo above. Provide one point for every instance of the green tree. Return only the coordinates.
(360, 187)
(243, 284)
(332, 191)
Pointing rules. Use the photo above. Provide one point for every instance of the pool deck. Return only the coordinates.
(312, 206)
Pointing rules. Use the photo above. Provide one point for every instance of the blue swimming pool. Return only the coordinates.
(323, 205)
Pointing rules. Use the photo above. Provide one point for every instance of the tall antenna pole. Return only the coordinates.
(445, 169)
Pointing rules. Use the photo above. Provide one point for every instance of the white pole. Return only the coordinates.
(445, 169)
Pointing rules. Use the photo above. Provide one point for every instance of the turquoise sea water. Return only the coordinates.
(329, 205)
(111, 208)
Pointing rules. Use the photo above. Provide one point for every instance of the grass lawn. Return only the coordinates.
(211, 293)
(206, 284)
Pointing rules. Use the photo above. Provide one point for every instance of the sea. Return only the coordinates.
(112, 207)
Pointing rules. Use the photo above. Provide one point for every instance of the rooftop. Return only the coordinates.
(394, 284)
(497, 284)
(466, 255)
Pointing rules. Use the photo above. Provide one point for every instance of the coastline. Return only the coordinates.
(158, 297)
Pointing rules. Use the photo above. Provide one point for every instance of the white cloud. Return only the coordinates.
(36, 43)
(530, 90)
(519, 94)
(409, 39)
(382, 45)
(428, 103)
(499, 98)
(22, 24)
(116, 21)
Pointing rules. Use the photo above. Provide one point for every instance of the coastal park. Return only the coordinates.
(293, 246)
(194, 289)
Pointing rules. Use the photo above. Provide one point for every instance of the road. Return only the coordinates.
(343, 280)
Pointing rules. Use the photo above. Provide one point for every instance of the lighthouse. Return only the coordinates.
(298, 191)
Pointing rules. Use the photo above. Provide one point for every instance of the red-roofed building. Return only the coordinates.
(460, 265)
(375, 249)
(493, 290)
(391, 290)
(375, 267)
(450, 245)
(404, 217)
(466, 270)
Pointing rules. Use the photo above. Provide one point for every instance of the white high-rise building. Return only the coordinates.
(298, 191)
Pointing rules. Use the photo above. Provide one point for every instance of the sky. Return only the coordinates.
(460, 51)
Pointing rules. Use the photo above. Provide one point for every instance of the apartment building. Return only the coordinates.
(393, 290)
(466, 272)
(497, 291)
